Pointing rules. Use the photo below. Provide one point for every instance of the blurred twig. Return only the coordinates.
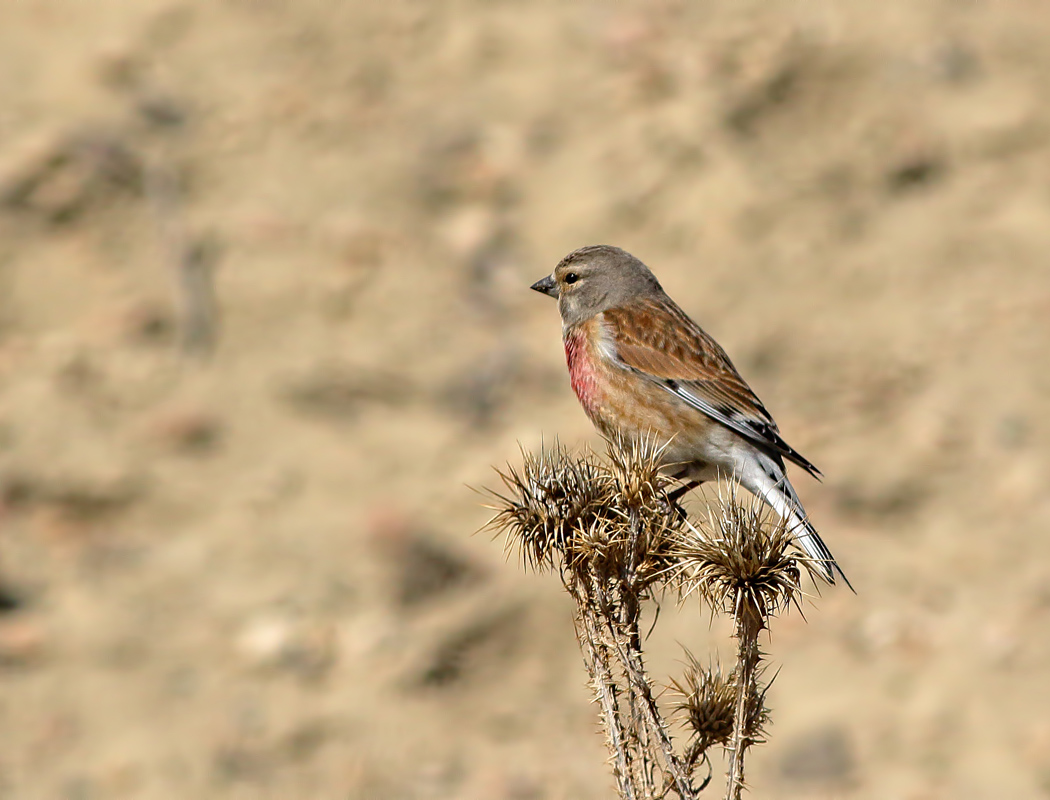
(191, 261)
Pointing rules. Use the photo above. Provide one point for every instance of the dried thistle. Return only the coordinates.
(614, 521)
(741, 560)
(707, 703)
(554, 498)
(742, 564)
(615, 534)
(636, 470)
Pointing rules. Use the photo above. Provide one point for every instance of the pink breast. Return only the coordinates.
(583, 373)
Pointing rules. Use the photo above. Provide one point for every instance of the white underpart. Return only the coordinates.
(756, 480)
(753, 471)
(728, 456)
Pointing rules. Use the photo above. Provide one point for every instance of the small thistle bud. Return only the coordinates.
(707, 700)
(707, 704)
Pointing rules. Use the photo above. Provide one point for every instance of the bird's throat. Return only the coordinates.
(582, 370)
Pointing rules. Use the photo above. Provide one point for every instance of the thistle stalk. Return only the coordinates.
(749, 624)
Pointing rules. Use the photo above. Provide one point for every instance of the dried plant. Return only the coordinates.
(614, 533)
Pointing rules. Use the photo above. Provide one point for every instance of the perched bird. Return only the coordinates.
(641, 367)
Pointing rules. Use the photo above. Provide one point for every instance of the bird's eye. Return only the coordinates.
(572, 277)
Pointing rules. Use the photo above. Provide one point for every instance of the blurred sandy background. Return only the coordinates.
(236, 553)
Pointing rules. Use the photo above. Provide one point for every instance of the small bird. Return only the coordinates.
(641, 367)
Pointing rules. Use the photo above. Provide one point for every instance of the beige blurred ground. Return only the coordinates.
(252, 575)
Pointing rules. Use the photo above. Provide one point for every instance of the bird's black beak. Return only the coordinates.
(546, 286)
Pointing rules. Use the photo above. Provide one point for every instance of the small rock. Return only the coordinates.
(264, 640)
(279, 642)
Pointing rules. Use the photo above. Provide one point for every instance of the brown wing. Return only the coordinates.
(656, 339)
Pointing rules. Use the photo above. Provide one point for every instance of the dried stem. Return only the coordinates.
(642, 697)
(749, 623)
(596, 658)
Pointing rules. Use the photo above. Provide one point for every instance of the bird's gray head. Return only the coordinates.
(594, 279)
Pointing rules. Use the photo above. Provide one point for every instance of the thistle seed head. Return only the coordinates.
(706, 700)
(554, 497)
(741, 561)
(610, 521)
(635, 472)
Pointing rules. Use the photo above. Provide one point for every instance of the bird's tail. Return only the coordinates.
(769, 481)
